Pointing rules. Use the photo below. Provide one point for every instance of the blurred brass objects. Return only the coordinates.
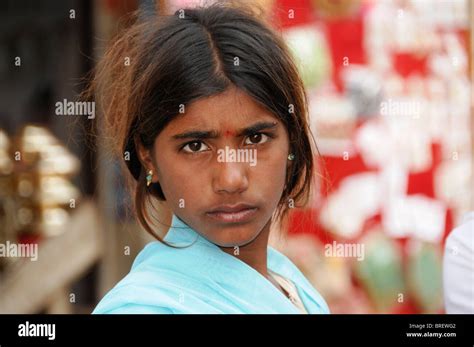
(36, 193)
(41, 150)
(6, 190)
(6, 164)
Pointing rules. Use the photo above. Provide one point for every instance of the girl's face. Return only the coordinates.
(222, 167)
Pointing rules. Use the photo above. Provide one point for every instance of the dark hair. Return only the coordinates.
(177, 59)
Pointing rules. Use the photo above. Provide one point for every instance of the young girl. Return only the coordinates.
(212, 114)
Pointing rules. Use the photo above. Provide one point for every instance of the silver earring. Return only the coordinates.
(291, 156)
(149, 177)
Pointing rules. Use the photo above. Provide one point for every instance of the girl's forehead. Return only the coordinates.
(233, 101)
(226, 112)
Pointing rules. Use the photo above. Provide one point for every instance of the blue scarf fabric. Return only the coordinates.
(202, 278)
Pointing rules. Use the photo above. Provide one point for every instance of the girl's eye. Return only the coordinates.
(195, 147)
(256, 138)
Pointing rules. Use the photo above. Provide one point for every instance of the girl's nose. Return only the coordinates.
(230, 177)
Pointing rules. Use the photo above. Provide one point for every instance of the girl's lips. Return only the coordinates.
(233, 217)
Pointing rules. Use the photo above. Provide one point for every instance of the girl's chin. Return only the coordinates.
(231, 241)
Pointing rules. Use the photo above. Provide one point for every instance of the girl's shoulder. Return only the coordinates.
(153, 285)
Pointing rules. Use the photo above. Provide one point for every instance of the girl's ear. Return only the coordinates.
(145, 156)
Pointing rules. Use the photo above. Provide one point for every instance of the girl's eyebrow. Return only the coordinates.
(196, 134)
(212, 134)
(256, 128)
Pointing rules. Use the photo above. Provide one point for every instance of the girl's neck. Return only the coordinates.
(254, 254)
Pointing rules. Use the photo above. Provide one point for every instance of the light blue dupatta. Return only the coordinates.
(202, 278)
